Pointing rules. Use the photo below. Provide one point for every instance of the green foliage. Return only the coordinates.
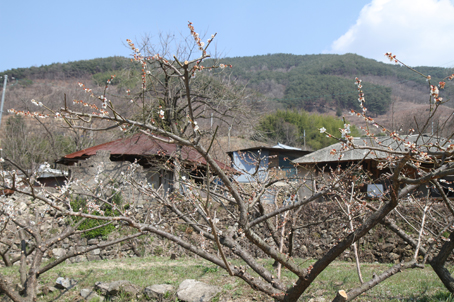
(276, 127)
(313, 82)
(81, 203)
(123, 78)
(316, 92)
(213, 269)
(348, 64)
(158, 251)
(101, 78)
(76, 69)
(25, 82)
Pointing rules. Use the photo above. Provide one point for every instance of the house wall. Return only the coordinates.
(278, 161)
(246, 162)
(311, 172)
(53, 182)
(306, 180)
(99, 168)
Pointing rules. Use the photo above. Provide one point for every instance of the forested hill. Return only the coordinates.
(316, 83)
(325, 82)
(76, 69)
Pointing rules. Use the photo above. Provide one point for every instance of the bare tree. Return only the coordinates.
(33, 223)
(232, 220)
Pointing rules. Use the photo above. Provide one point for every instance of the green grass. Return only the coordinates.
(420, 285)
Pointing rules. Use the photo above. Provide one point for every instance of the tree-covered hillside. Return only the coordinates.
(295, 128)
(68, 70)
(322, 83)
(316, 83)
(326, 81)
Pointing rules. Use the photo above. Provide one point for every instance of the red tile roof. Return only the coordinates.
(141, 145)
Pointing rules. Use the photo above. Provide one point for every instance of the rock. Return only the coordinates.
(93, 257)
(102, 287)
(85, 292)
(44, 290)
(22, 208)
(158, 291)
(79, 258)
(387, 247)
(318, 299)
(58, 252)
(114, 288)
(191, 290)
(393, 256)
(93, 241)
(391, 240)
(90, 295)
(64, 283)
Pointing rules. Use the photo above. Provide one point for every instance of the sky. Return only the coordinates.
(419, 32)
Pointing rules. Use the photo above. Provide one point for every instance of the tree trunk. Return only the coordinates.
(438, 263)
(341, 296)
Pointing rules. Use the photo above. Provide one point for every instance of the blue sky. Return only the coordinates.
(419, 32)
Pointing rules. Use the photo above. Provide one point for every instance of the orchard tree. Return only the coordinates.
(32, 221)
(231, 220)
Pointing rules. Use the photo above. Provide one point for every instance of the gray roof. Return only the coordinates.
(279, 146)
(45, 171)
(324, 155)
(282, 146)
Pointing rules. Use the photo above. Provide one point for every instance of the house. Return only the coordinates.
(42, 176)
(325, 160)
(258, 161)
(155, 157)
(48, 177)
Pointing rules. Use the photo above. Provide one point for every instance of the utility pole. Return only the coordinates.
(3, 98)
(230, 128)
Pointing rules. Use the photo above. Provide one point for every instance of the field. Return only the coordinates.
(412, 285)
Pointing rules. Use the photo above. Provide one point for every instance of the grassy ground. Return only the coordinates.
(411, 285)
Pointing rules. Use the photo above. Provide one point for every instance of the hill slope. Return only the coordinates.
(326, 82)
(316, 83)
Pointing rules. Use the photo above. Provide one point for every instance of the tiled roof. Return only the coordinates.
(141, 145)
(324, 155)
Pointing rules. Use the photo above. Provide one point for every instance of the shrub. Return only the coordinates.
(81, 203)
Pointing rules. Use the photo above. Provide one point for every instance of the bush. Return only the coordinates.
(81, 203)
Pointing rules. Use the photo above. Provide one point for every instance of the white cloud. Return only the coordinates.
(419, 32)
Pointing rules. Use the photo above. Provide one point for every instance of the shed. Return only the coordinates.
(155, 156)
(325, 159)
(260, 160)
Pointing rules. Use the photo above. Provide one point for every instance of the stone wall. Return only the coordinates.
(379, 245)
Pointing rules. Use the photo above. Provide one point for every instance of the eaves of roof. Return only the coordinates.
(141, 145)
(324, 155)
